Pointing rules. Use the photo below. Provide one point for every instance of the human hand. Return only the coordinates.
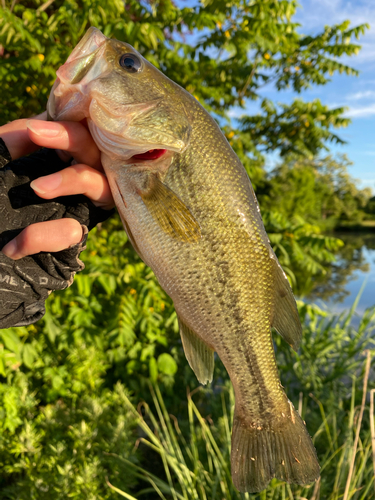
(72, 139)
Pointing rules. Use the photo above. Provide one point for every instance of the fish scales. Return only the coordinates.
(236, 290)
(191, 213)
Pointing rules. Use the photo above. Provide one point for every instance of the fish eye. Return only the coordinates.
(130, 62)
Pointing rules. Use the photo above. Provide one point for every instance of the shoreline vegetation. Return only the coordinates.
(97, 400)
(186, 459)
(363, 226)
(72, 425)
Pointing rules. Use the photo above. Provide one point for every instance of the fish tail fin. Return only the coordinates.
(282, 449)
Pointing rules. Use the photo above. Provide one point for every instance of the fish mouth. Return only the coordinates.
(151, 154)
(124, 142)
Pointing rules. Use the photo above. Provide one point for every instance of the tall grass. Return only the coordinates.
(196, 462)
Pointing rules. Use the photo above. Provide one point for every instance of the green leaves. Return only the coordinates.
(236, 49)
(302, 251)
(300, 128)
(320, 190)
(62, 449)
(29, 355)
(15, 351)
(166, 364)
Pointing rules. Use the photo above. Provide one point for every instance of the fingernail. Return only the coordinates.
(83, 237)
(46, 183)
(10, 249)
(45, 129)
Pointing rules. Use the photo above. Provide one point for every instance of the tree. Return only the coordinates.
(320, 190)
(238, 47)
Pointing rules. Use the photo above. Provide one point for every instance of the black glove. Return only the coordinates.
(26, 283)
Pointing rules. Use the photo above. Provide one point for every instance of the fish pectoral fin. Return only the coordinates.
(199, 355)
(172, 215)
(285, 315)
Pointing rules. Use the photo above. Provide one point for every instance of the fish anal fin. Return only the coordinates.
(166, 208)
(199, 355)
(280, 448)
(285, 315)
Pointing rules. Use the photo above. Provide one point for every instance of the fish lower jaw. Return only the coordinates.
(119, 148)
(67, 104)
(111, 145)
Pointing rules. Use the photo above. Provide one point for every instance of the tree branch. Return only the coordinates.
(45, 6)
(249, 78)
(13, 4)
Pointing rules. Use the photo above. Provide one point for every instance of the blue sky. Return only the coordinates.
(356, 93)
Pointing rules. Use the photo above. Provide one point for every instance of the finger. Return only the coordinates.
(78, 179)
(16, 137)
(50, 236)
(73, 138)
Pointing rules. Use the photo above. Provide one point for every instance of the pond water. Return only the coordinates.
(355, 267)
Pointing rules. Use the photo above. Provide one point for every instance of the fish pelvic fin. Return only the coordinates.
(199, 355)
(281, 448)
(285, 315)
(172, 215)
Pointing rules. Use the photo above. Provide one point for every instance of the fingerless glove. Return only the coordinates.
(26, 283)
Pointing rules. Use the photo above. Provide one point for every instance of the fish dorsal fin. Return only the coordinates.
(200, 357)
(285, 315)
(172, 215)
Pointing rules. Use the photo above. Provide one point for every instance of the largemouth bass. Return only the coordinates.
(191, 214)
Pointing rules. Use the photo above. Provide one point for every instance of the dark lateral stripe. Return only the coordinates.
(257, 374)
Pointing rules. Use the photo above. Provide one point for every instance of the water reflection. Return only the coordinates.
(339, 287)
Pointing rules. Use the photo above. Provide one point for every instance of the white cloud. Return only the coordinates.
(361, 95)
(316, 13)
(361, 111)
(313, 14)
